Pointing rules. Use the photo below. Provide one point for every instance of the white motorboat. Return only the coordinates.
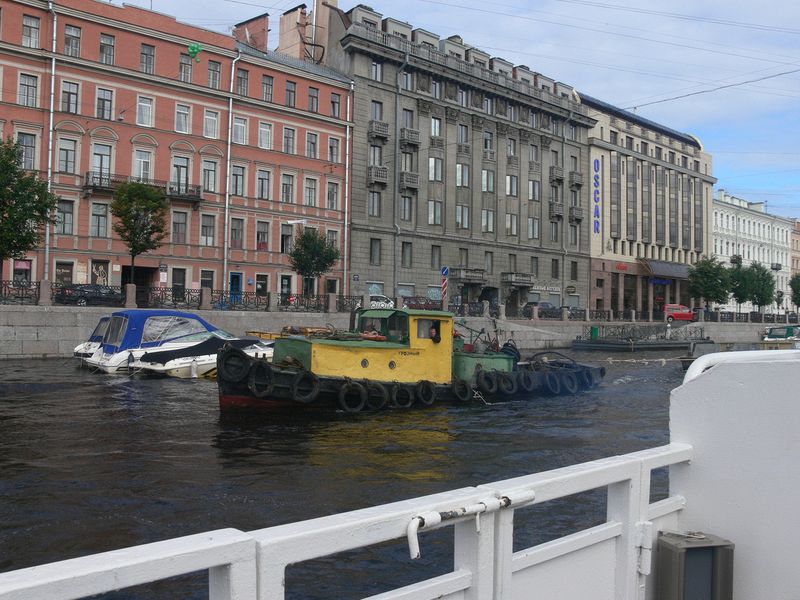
(87, 348)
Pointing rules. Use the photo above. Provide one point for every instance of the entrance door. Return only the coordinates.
(286, 289)
(236, 287)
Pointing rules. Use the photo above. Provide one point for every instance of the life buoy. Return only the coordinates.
(569, 382)
(233, 364)
(401, 396)
(552, 383)
(507, 383)
(461, 390)
(526, 381)
(305, 387)
(425, 392)
(585, 378)
(487, 381)
(261, 379)
(352, 396)
(377, 395)
(373, 336)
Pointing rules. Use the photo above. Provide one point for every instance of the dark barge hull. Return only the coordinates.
(630, 345)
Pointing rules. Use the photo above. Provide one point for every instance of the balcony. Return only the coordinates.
(181, 190)
(466, 275)
(378, 175)
(409, 136)
(513, 162)
(99, 181)
(516, 279)
(535, 168)
(378, 129)
(437, 142)
(488, 154)
(776, 266)
(409, 180)
(464, 149)
(556, 174)
(575, 179)
(575, 214)
(556, 210)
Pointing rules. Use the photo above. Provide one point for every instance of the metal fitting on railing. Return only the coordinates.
(430, 519)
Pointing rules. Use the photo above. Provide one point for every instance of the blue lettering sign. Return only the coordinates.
(596, 194)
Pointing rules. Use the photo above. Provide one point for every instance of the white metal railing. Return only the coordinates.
(482, 518)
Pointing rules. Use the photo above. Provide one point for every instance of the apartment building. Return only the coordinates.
(745, 231)
(460, 160)
(247, 144)
(652, 192)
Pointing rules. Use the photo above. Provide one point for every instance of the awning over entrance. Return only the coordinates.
(665, 269)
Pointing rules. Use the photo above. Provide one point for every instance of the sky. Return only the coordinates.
(726, 72)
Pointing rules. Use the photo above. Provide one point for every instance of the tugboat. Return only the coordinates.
(392, 358)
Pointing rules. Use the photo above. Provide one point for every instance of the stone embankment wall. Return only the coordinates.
(54, 331)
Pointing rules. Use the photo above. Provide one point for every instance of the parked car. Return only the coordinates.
(379, 301)
(527, 309)
(90, 294)
(679, 312)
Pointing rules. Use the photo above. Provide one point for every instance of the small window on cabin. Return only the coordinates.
(429, 329)
(370, 325)
(397, 328)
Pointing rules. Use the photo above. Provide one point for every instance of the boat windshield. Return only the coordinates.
(100, 330)
(116, 331)
(170, 327)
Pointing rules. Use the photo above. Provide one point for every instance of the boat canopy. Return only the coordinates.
(148, 328)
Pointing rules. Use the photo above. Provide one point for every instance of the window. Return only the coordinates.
(436, 257)
(28, 90)
(147, 58)
(98, 226)
(462, 175)
(553, 231)
(180, 174)
(408, 118)
(405, 255)
(30, 31)
(375, 156)
(511, 224)
(288, 140)
(242, 81)
(211, 124)
(65, 217)
(312, 150)
(267, 88)
(488, 105)
(237, 180)
(336, 105)
(573, 196)
(207, 227)
(142, 165)
(206, 279)
(333, 150)
(185, 68)
(263, 184)
(179, 227)
(374, 204)
(144, 111)
(407, 162)
(214, 74)
(287, 189)
(555, 272)
(237, 233)
(573, 235)
(407, 80)
(182, 118)
(487, 180)
(535, 266)
(462, 216)
(313, 99)
(333, 196)
(488, 140)
(463, 97)
(463, 134)
(487, 220)
(406, 208)
(436, 88)
(511, 147)
(66, 155)
(376, 71)
(434, 169)
(291, 93)
(69, 97)
(209, 176)
(436, 126)
(239, 130)
(265, 135)
(511, 185)
(554, 195)
(374, 251)
(286, 239)
(534, 190)
(310, 194)
(376, 110)
(434, 212)
(101, 163)
(105, 102)
(533, 228)
(262, 236)
(72, 40)
(107, 43)
(533, 153)
(488, 262)
(573, 270)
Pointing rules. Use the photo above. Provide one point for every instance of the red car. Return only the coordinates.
(679, 312)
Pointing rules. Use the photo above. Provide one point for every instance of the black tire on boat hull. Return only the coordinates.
(261, 379)
(569, 383)
(401, 396)
(425, 392)
(585, 378)
(461, 390)
(552, 383)
(507, 383)
(305, 387)
(352, 397)
(377, 395)
(526, 381)
(487, 381)
(233, 365)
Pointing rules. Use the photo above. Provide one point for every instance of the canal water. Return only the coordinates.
(92, 462)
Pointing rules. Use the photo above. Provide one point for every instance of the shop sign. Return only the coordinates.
(657, 281)
(545, 288)
(621, 266)
(570, 289)
(596, 199)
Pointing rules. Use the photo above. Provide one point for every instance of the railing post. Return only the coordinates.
(331, 307)
(365, 302)
(205, 298)
(501, 311)
(130, 295)
(45, 295)
(534, 313)
(610, 314)
(564, 313)
(398, 302)
(273, 299)
(633, 316)
(485, 310)
(587, 315)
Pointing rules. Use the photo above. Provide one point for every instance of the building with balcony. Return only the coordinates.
(245, 143)
(651, 190)
(745, 233)
(460, 159)
(795, 255)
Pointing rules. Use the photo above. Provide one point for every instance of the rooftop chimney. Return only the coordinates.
(294, 29)
(253, 32)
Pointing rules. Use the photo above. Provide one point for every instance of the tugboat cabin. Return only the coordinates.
(402, 345)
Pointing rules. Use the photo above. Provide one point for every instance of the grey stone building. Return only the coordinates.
(460, 160)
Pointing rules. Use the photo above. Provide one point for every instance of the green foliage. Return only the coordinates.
(312, 254)
(141, 217)
(763, 290)
(709, 279)
(26, 206)
(779, 298)
(794, 284)
(741, 279)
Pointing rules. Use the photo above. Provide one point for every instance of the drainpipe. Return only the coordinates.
(396, 227)
(346, 286)
(51, 117)
(225, 282)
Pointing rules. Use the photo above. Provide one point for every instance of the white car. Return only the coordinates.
(379, 301)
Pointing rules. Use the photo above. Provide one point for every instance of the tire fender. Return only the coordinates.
(569, 383)
(507, 383)
(261, 379)
(526, 381)
(352, 397)
(487, 381)
(233, 364)
(377, 395)
(401, 396)
(461, 390)
(304, 376)
(425, 392)
(552, 383)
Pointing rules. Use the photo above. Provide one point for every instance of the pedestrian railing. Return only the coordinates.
(348, 303)
(19, 292)
(173, 297)
(298, 303)
(467, 309)
(599, 315)
(422, 303)
(241, 301)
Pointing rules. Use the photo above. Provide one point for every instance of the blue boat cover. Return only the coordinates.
(150, 328)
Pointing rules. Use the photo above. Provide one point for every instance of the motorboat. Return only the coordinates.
(87, 348)
(169, 342)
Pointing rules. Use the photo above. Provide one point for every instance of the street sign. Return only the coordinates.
(445, 271)
(355, 276)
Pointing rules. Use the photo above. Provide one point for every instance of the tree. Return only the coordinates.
(141, 213)
(763, 290)
(794, 284)
(26, 205)
(709, 279)
(312, 254)
(741, 281)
